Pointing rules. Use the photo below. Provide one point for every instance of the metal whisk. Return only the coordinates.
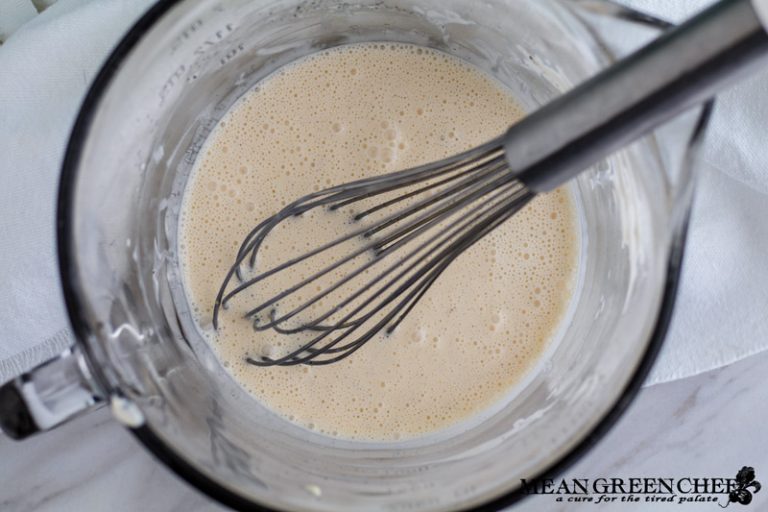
(404, 229)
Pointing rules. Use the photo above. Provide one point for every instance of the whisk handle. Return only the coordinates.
(684, 67)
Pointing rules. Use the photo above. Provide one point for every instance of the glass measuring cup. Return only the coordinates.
(177, 72)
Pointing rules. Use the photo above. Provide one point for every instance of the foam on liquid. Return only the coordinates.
(349, 113)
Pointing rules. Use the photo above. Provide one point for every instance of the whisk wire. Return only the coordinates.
(440, 263)
(446, 235)
(255, 238)
(434, 269)
(454, 204)
(418, 225)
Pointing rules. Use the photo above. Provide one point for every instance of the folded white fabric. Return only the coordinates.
(13, 14)
(45, 69)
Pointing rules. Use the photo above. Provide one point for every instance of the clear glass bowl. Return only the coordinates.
(149, 111)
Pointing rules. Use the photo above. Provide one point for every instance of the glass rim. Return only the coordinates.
(73, 293)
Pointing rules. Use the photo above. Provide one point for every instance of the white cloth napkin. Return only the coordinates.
(13, 14)
(45, 68)
(47, 64)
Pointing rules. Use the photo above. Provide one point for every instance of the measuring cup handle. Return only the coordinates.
(48, 395)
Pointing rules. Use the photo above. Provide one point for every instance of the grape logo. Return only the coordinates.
(746, 485)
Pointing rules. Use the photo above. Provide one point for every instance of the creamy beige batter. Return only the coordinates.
(348, 113)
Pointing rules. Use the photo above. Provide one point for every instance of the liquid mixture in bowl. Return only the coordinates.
(353, 112)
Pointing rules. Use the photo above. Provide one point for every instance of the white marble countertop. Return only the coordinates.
(709, 426)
